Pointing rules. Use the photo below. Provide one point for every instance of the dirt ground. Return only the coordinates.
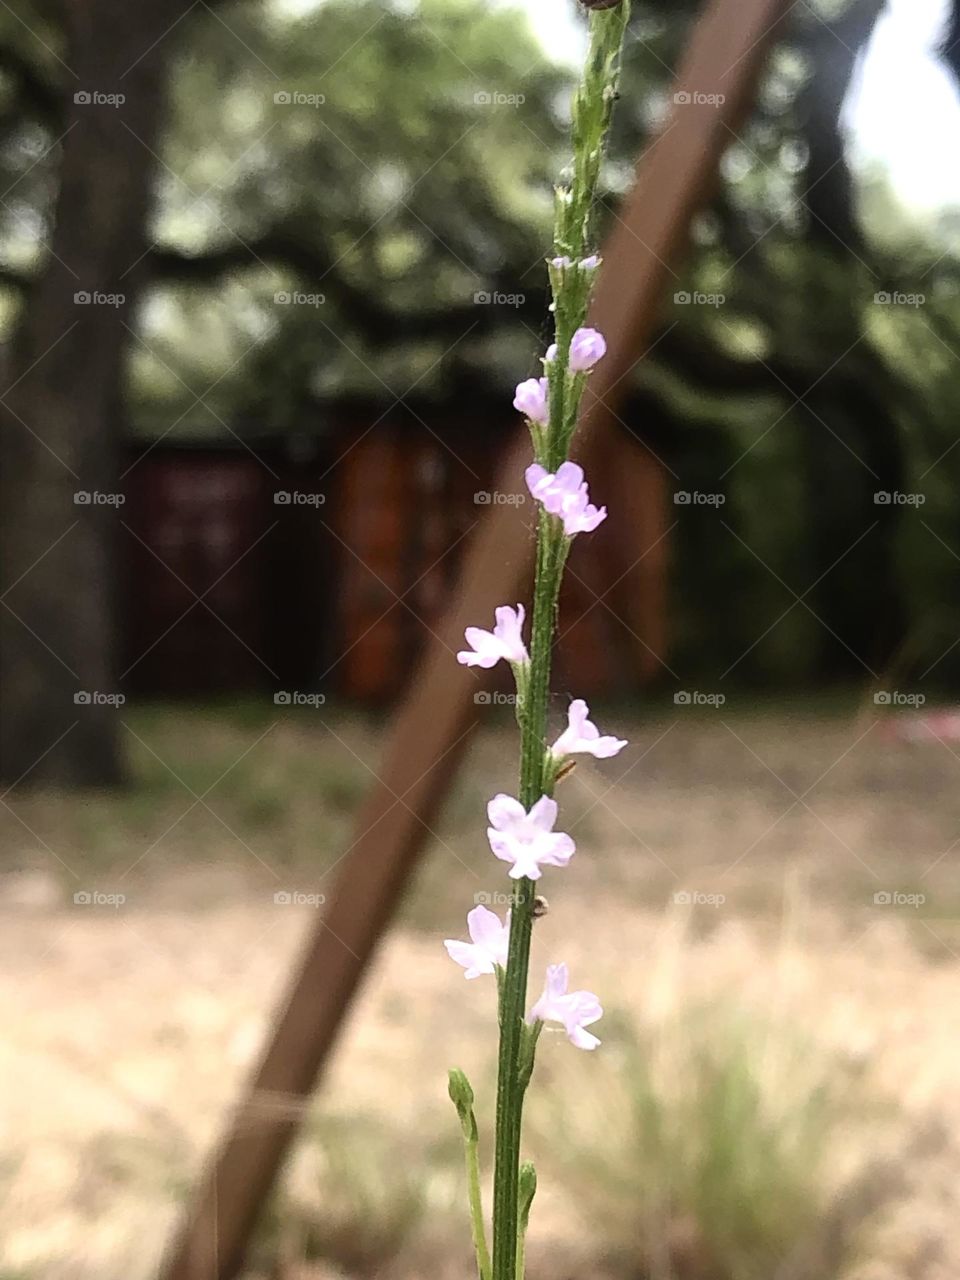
(798, 863)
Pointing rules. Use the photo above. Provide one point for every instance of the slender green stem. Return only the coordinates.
(551, 553)
(551, 556)
(477, 1226)
(461, 1095)
(528, 1189)
(521, 1253)
(591, 116)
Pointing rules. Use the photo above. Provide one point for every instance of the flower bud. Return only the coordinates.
(586, 348)
(461, 1094)
(531, 400)
(527, 1189)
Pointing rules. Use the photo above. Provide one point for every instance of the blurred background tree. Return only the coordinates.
(393, 162)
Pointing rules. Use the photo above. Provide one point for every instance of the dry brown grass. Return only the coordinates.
(129, 1029)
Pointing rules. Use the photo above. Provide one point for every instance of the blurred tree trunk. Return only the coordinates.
(833, 51)
(60, 418)
(950, 42)
(851, 450)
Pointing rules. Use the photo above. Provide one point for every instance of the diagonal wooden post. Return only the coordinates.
(674, 175)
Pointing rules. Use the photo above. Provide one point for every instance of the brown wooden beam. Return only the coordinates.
(430, 730)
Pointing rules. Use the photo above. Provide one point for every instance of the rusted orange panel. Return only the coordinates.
(368, 524)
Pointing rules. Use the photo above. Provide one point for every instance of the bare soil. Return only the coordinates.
(795, 863)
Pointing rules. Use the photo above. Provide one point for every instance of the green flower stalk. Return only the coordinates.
(521, 830)
(528, 1189)
(461, 1095)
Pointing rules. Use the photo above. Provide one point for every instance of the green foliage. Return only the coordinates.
(357, 1200)
(708, 1157)
(351, 154)
(399, 190)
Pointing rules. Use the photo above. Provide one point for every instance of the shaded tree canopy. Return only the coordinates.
(355, 202)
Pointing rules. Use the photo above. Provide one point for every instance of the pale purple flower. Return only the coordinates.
(487, 948)
(574, 1009)
(581, 735)
(531, 400)
(565, 494)
(591, 263)
(561, 264)
(587, 346)
(487, 648)
(557, 488)
(583, 520)
(528, 840)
